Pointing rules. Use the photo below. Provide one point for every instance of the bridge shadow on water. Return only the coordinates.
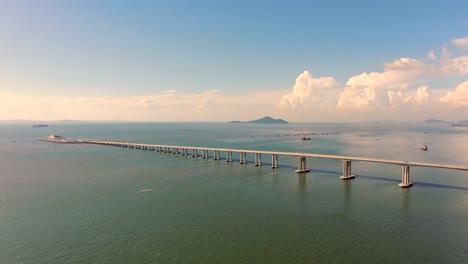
(376, 178)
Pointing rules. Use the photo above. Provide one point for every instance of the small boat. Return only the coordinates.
(424, 148)
(304, 137)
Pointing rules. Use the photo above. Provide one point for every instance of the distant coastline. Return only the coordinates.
(442, 122)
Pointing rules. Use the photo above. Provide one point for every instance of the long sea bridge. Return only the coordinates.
(301, 157)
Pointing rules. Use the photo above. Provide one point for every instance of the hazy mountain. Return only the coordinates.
(265, 120)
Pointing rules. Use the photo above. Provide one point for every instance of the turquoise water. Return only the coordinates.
(100, 204)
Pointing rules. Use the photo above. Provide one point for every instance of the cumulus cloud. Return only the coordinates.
(384, 89)
(461, 42)
(364, 92)
(398, 74)
(455, 66)
(423, 96)
(413, 99)
(309, 92)
(431, 55)
(457, 97)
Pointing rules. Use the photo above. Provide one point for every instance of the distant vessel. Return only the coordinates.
(304, 137)
(40, 125)
(424, 148)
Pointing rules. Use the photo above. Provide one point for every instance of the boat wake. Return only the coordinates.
(145, 190)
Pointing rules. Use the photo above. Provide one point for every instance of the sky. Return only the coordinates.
(178, 61)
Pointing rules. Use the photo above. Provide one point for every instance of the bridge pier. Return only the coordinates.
(405, 183)
(194, 153)
(347, 170)
(243, 158)
(301, 165)
(258, 159)
(204, 154)
(274, 161)
(176, 151)
(216, 155)
(228, 156)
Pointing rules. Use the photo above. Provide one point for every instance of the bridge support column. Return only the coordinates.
(243, 158)
(274, 161)
(258, 159)
(176, 151)
(204, 154)
(405, 183)
(184, 152)
(194, 153)
(346, 170)
(216, 155)
(301, 165)
(228, 156)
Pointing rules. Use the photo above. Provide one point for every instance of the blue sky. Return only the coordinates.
(99, 50)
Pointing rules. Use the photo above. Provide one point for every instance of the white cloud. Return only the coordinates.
(384, 89)
(461, 42)
(365, 92)
(455, 66)
(309, 92)
(410, 99)
(398, 74)
(423, 96)
(207, 99)
(458, 97)
(170, 91)
(452, 66)
(211, 105)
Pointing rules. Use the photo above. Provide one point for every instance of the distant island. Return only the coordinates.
(264, 120)
(435, 121)
(440, 122)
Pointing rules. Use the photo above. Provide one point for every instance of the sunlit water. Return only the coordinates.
(101, 204)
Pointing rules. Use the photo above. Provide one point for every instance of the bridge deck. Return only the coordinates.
(293, 154)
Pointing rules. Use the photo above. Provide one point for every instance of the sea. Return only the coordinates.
(81, 203)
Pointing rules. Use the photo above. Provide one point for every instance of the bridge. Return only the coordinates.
(301, 157)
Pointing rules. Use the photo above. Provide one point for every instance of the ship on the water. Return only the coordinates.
(40, 125)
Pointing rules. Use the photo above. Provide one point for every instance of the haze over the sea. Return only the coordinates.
(303, 61)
